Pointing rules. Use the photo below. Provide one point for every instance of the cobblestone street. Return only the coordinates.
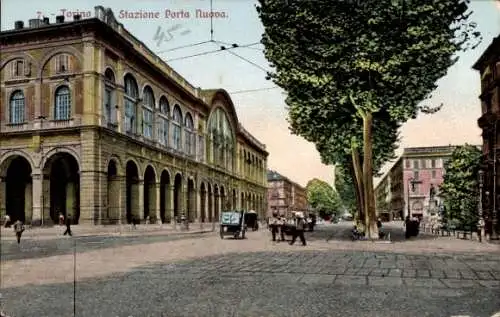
(207, 276)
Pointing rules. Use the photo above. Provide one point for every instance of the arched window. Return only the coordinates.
(177, 121)
(130, 100)
(221, 139)
(17, 107)
(163, 121)
(62, 108)
(147, 112)
(189, 134)
(109, 111)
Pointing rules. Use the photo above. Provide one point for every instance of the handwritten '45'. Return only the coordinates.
(160, 36)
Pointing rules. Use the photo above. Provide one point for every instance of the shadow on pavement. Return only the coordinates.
(33, 248)
(343, 233)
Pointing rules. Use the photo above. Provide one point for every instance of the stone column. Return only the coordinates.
(157, 204)
(37, 198)
(3, 195)
(170, 204)
(140, 200)
(198, 206)
(89, 198)
(46, 219)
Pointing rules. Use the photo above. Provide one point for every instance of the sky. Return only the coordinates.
(263, 112)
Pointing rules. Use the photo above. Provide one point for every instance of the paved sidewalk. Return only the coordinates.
(43, 233)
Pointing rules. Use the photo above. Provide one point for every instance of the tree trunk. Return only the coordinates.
(359, 201)
(370, 212)
(358, 184)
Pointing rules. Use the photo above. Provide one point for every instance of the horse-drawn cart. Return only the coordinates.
(232, 223)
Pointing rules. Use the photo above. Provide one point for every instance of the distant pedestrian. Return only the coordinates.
(61, 219)
(299, 229)
(7, 221)
(18, 229)
(68, 226)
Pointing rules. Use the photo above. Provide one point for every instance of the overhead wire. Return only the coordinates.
(252, 90)
(211, 52)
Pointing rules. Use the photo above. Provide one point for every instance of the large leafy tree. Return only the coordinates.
(344, 186)
(460, 186)
(322, 197)
(344, 62)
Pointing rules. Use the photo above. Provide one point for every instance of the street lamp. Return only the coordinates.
(411, 182)
(480, 224)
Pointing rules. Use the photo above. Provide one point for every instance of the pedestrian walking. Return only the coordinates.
(18, 229)
(299, 229)
(281, 227)
(61, 219)
(68, 227)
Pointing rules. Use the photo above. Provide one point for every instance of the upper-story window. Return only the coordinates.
(130, 101)
(62, 107)
(62, 63)
(109, 97)
(221, 139)
(17, 68)
(177, 123)
(163, 115)
(189, 135)
(415, 164)
(433, 163)
(147, 112)
(17, 107)
(407, 163)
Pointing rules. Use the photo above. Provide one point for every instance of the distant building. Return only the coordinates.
(284, 195)
(488, 66)
(422, 166)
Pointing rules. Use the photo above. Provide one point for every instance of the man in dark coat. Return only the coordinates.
(19, 229)
(299, 229)
(68, 226)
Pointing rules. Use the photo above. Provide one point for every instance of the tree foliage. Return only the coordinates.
(345, 188)
(354, 71)
(322, 197)
(460, 186)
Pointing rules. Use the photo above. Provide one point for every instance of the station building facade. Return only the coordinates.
(96, 126)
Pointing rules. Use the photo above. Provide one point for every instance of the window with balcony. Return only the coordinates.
(147, 112)
(17, 108)
(62, 107)
(163, 125)
(177, 124)
(62, 63)
(415, 175)
(130, 102)
(433, 163)
(189, 135)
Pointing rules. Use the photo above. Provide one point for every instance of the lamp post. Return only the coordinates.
(480, 224)
(411, 182)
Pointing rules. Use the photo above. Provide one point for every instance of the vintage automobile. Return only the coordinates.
(232, 223)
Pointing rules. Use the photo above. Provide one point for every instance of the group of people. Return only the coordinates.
(19, 226)
(278, 224)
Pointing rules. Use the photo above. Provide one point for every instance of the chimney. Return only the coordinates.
(77, 17)
(18, 25)
(46, 21)
(60, 19)
(34, 23)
